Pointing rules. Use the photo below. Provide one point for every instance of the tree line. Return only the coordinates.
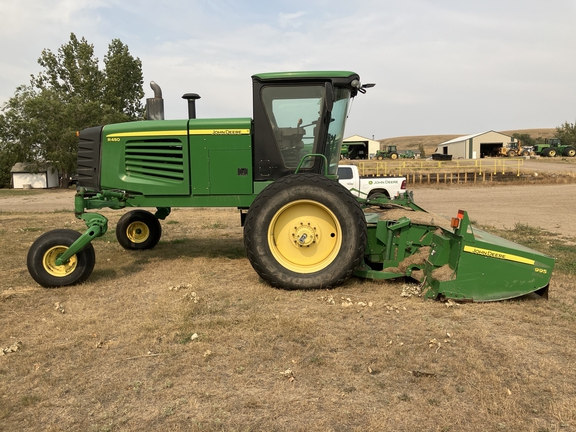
(38, 124)
(566, 133)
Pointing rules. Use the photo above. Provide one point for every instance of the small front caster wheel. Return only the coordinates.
(44, 252)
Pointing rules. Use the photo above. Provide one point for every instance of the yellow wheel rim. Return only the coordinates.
(304, 236)
(137, 232)
(49, 262)
(393, 156)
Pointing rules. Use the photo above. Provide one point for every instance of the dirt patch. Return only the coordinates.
(550, 207)
(40, 201)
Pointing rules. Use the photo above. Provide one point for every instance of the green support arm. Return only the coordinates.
(97, 226)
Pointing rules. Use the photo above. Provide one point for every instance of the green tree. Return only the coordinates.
(525, 139)
(17, 136)
(422, 151)
(123, 81)
(567, 134)
(72, 72)
(40, 121)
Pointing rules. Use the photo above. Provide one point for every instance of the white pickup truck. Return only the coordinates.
(370, 187)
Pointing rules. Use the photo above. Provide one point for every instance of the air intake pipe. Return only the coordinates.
(191, 98)
(155, 105)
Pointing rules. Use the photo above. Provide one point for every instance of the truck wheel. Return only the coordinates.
(569, 151)
(138, 229)
(378, 194)
(41, 260)
(305, 231)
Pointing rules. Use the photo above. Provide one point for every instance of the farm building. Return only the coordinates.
(359, 147)
(40, 177)
(474, 146)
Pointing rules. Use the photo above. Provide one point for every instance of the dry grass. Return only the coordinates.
(186, 337)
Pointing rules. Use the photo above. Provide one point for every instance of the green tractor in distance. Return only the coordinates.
(390, 153)
(302, 228)
(408, 154)
(553, 147)
(344, 152)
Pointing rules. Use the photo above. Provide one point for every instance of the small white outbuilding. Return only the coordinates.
(367, 147)
(25, 175)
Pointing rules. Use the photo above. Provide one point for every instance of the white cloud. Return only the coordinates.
(291, 20)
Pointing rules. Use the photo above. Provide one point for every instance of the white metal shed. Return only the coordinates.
(26, 175)
(474, 146)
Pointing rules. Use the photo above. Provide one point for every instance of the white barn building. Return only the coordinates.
(474, 146)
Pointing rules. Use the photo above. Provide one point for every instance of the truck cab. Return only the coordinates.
(370, 187)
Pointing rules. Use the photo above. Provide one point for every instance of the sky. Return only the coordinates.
(440, 66)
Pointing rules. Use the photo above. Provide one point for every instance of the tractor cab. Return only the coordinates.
(299, 120)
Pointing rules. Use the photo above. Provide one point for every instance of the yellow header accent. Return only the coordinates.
(498, 255)
(180, 133)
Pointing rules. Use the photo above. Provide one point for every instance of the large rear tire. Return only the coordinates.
(569, 151)
(305, 231)
(138, 229)
(44, 252)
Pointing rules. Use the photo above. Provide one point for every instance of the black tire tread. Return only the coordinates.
(318, 181)
(59, 237)
(134, 216)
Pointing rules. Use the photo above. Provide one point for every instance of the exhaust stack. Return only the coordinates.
(191, 98)
(155, 105)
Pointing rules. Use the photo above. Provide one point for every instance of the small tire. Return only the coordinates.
(378, 194)
(138, 229)
(42, 255)
(305, 231)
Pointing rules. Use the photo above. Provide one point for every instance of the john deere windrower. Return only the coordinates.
(302, 229)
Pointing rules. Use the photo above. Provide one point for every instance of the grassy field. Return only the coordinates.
(186, 337)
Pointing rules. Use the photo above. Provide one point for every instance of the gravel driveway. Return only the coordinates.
(551, 207)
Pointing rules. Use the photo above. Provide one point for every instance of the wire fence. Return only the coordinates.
(480, 167)
(459, 171)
